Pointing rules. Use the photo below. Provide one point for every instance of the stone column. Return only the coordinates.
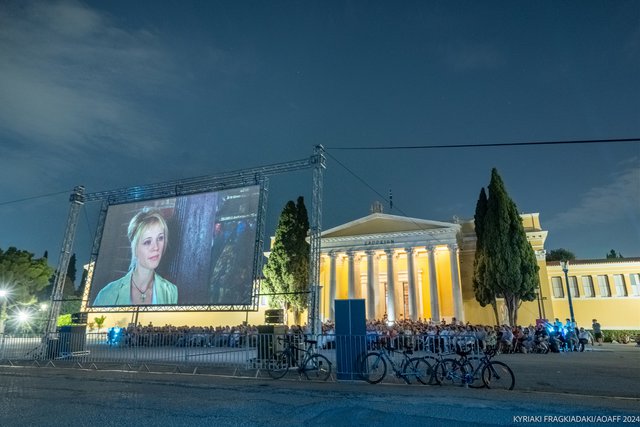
(357, 280)
(351, 276)
(433, 285)
(411, 277)
(455, 283)
(391, 287)
(332, 285)
(372, 284)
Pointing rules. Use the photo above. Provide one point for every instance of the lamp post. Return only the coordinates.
(4, 296)
(565, 268)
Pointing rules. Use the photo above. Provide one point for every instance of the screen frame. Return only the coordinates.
(137, 198)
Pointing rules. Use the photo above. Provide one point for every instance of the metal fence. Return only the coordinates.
(231, 353)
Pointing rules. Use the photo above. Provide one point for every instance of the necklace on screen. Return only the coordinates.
(143, 294)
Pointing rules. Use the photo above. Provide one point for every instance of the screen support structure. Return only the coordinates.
(192, 186)
(319, 165)
(77, 200)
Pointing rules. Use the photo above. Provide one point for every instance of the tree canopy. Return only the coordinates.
(508, 266)
(560, 255)
(613, 254)
(286, 273)
(23, 275)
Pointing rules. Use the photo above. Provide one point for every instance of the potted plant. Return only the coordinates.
(99, 321)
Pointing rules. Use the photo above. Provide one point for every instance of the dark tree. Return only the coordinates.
(560, 255)
(511, 269)
(613, 254)
(483, 292)
(24, 276)
(71, 269)
(286, 274)
(71, 301)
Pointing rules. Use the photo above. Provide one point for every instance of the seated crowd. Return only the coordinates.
(419, 334)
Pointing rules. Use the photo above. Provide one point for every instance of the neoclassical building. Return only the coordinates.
(409, 268)
(403, 267)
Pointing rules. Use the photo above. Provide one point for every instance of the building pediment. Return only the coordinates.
(380, 224)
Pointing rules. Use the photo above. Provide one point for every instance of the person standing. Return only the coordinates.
(597, 331)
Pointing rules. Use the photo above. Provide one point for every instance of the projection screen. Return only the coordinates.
(189, 250)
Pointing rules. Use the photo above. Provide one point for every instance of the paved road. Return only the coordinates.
(603, 383)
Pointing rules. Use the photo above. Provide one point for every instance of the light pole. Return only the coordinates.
(4, 296)
(565, 268)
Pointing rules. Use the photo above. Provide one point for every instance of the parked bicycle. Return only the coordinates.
(313, 366)
(474, 371)
(374, 365)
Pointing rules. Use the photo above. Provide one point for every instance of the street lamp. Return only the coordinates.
(23, 318)
(565, 268)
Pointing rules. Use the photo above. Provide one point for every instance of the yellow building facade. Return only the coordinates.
(607, 290)
(409, 268)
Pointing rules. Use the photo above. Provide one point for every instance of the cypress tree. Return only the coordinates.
(483, 293)
(511, 270)
(286, 273)
(71, 269)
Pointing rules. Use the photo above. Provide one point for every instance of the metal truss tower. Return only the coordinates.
(319, 165)
(77, 199)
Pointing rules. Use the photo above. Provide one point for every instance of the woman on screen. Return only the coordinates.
(148, 235)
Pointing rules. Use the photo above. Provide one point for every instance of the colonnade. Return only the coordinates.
(381, 289)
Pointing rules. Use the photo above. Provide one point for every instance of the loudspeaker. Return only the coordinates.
(274, 316)
(79, 318)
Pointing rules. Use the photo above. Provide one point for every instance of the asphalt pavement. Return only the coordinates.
(591, 388)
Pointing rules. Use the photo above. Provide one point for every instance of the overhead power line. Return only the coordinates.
(42, 196)
(496, 144)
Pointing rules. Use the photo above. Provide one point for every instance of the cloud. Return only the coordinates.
(72, 82)
(607, 203)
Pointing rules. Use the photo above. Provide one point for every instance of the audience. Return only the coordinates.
(418, 334)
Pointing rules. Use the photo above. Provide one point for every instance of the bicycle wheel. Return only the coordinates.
(419, 368)
(432, 362)
(374, 368)
(449, 371)
(473, 367)
(279, 365)
(317, 367)
(497, 375)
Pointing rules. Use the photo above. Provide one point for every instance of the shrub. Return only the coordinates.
(623, 336)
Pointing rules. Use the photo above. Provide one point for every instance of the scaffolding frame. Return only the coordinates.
(234, 179)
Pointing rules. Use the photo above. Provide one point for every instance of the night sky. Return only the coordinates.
(111, 94)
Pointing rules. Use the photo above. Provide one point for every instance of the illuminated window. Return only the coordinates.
(556, 284)
(587, 286)
(635, 284)
(621, 289)
(603, 284)
(573, 285)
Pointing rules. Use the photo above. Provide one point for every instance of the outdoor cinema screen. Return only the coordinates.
(188, 250)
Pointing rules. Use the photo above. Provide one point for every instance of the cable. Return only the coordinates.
(497, 144)
(34, 197)
(386, 199)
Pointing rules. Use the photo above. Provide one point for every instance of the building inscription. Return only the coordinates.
(378, 242)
